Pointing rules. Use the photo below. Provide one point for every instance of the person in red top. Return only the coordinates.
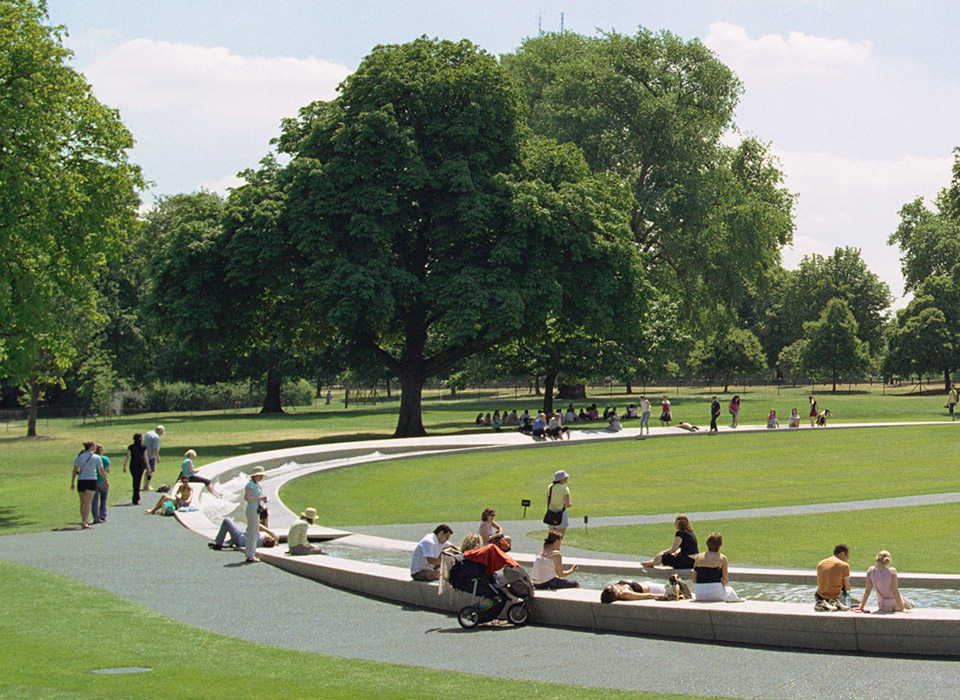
(492, 556)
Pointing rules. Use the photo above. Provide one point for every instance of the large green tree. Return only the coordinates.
(424, 242)
(67, 198)
(929, 239)
(651, 109)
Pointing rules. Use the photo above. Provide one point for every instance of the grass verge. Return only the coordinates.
(75, 628)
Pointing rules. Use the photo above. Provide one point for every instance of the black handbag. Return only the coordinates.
(553, 517)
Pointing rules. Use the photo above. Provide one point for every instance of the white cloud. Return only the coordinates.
(211, 82)
(855, 202)
(198, 112)
(786, 56)
(223, 185)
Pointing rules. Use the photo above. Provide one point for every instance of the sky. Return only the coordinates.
(859, 101)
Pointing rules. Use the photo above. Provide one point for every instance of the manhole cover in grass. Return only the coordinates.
(122, 669)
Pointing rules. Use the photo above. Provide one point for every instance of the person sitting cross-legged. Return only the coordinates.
(297, 543)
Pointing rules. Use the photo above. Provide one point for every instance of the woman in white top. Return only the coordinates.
(488, 526)
(548, 572)
(883, 579)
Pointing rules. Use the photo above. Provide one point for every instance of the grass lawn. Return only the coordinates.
(36, 471)
(75, 628)
(671, 474)
(920, 538)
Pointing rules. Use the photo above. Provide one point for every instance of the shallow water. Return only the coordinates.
(774, 592)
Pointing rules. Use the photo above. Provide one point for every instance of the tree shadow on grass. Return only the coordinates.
(10, 517)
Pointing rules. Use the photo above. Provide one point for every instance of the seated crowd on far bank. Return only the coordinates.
(555, 425)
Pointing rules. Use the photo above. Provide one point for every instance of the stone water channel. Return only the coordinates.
(772, 592)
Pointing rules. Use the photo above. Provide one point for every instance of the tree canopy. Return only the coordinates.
(651, 109)
(424, 241)
(67, 197)
(832, 346)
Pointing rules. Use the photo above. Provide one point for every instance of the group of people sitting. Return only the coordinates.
(710, 577)
(817, 419)
(489, 545)
(231, 536)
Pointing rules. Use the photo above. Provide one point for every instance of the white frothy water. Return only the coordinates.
(231, 503)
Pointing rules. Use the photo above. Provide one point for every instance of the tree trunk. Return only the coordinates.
(34, 387)
(548, 379)
(834, 383)
(453, 391)
(319, 389)
(946, 380)
(272, 401)
(629, 387)
(410, 421)
(536, 386)
(388, 387)
(571, 391)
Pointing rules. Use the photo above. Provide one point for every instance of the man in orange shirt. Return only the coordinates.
(833, 580)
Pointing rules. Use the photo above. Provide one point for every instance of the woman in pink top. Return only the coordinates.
(883, 579)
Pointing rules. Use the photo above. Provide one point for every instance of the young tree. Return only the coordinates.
(737, 351)
(424, 243)
(832, 343)
(67, 197)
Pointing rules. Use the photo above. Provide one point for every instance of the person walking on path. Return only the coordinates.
(137, 458)
(103, 486)
(86, 467)
(254, 498)
(953, 400)
(714, 414)
(644, 415)
(558, 500)
(814, 412)
(152, 442)
(734, 409)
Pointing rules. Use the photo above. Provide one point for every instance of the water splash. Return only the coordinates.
(230, 503)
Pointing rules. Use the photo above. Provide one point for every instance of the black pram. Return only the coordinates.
(471, 577)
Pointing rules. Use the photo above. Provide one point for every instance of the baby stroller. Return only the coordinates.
(470, 577)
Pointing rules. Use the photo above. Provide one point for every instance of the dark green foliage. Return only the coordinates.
(833, 348)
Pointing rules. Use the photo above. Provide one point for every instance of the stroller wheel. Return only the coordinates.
(469, 617)
(518, 613)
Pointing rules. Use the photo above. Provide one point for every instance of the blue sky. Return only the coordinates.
(859, 100)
